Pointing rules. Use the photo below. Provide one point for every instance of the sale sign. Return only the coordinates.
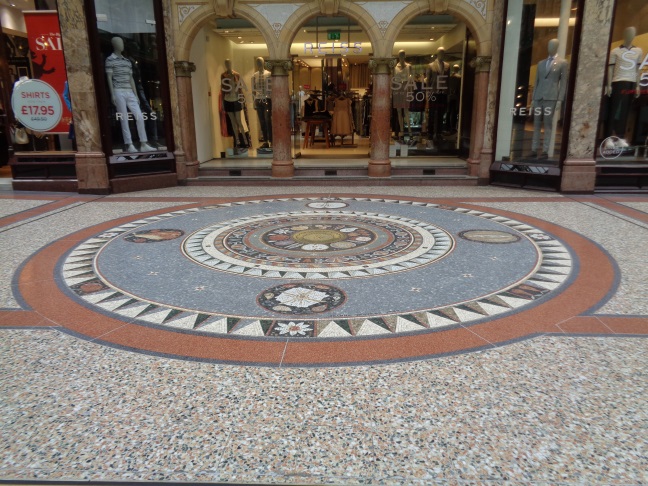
(48, 63)
(37, 105)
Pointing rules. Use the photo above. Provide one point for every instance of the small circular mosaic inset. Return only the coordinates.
(327, 205)
(301, 298)
(489, 236)
(318, 245)
(154, 235)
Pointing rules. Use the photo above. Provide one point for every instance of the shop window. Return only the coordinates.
(131, 68)
(536, 67)
(623, 128)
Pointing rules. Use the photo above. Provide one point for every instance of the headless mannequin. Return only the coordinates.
(400, 100)
(454, 88)
(123, 94)
(622, 79)
(436, 80)
(232, 104)
(548, 95)
(261, 90)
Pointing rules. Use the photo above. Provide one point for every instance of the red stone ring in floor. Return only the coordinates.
(316, 281)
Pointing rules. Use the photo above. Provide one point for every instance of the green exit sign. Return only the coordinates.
(333, 35)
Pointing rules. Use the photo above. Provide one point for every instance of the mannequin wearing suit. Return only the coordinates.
(623, 76)
(548, 95)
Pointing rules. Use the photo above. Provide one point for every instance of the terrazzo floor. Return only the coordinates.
(309, 335)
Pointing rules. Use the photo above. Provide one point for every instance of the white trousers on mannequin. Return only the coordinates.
(125, 98)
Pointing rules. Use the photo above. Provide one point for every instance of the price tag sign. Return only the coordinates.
(37, 105)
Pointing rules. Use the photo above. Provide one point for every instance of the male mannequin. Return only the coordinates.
(401, 89)
(123, 94)
(454, 89)
(623, 77)
(548, 95)
(233, 105)
(261, 90)
(436, 80)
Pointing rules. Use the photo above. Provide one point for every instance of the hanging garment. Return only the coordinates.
(342, 117)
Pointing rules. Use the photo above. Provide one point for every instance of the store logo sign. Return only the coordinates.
(50, 42)
(342, 48)
(611, 148)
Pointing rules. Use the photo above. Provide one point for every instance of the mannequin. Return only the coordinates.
(123, 94)
(548, 95)
(261, 90)
(454, 90)
(622, 78)
(401, 89)
(233, 105)
(436, 80)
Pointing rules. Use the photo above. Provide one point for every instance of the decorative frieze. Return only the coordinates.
(479, 5)
(383, 12)
(224, 8)
(185, 10)
(277, 14)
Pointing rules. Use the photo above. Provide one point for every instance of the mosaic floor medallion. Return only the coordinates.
(345, 269)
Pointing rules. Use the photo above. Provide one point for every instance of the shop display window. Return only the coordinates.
(536, 67)
(132, 66)
(623, 128)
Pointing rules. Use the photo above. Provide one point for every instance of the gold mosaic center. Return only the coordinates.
(319, 236)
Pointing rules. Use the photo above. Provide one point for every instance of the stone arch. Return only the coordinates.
(197, 19)
(312, 9)
(478, 26)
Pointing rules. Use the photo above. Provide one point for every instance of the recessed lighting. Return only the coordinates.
(251, 42)
(239, 37)
(305, 30)
(431, 38)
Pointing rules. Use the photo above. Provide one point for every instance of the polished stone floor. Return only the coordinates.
(385, 335)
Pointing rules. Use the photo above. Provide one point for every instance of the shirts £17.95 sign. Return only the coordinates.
(37, 105)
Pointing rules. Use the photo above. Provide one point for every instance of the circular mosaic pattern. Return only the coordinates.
(489, 236)
(430, 266)
(301, 299)
(318, 245)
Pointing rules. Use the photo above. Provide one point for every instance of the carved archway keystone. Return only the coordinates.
(329, 7)
(439, 6)
(224, 8)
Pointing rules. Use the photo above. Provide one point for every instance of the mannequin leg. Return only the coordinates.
(537, 128)
(237, 126)
(401, 126)
(549, 108)
(267, 114)
(122, 116)
(134, 107)
(406, 119)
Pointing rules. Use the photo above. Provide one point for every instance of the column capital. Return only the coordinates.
(183, 69)
(279, 67)
(382, 65)
(482, 64)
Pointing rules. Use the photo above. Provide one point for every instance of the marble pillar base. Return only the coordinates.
(379, 168)
(578, 176)
(188, 124)
(92, 172)
(184, 170)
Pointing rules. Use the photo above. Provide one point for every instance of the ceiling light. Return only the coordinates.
(239, 37)
(251, 42)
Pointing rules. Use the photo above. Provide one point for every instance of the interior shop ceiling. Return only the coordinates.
(417, 36)
(21, 4)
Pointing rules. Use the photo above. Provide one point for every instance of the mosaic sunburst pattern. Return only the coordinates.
(426, 278)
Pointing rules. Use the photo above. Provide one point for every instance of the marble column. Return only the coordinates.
(90, 161)
(579, 169)
(282, 163)
(477, 166)
(380, 134)
(186, 159)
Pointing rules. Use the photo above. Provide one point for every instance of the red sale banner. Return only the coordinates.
(48, 63)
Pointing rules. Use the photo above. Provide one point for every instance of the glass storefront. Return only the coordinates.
(132, 72)
(537, 56)
(623, 127)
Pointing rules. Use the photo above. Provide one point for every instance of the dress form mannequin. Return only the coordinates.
(261, 90)
(548, 95)
(123, 94)
(436, 80)
(401, 89)
(232, 103)
(622, 78)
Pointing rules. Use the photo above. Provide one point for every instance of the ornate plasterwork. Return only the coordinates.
(279, 67)
(185, 11)
(224, 8)
(481, 63)
(479, 5)
(184, 68)
(277, 14)
(382, 65)
(383, 12)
